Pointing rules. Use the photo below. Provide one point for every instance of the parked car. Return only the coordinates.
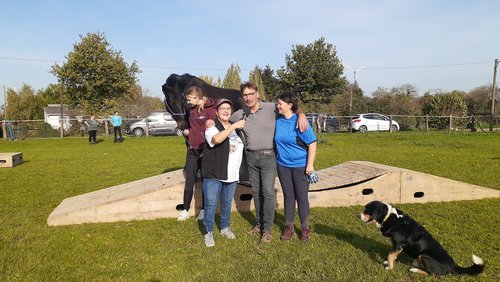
(327, 123)
(372, 122)
(159, 123)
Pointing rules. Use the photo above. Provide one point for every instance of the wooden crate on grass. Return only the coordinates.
(11, 159)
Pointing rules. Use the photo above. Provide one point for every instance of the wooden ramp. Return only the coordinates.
(389, 184)
(346, 184)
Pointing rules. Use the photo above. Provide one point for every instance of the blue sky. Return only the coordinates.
(432, 44)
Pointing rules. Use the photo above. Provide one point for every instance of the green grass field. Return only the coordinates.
(342, 248)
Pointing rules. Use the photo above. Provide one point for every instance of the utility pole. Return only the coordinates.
(61, 122)
(4, 103)
(4, 114)
(355, 71)
(493, 94)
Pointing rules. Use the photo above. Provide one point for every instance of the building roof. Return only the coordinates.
(55, 109)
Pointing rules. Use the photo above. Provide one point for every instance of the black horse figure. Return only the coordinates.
(175, 88)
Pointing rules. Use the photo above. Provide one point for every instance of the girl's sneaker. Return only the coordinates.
(183, 215)
(226, 232)
(209, 239)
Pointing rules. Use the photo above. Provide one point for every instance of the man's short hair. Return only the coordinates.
(249, 85)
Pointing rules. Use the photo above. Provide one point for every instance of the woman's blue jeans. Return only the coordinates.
(213, 190)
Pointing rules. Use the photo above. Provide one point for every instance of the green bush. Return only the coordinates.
(45, 130)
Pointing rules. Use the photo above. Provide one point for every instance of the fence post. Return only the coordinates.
(390, 124)
(147, 127)
(106, 127)
(450, 126)
(4, 129)
(426, 123)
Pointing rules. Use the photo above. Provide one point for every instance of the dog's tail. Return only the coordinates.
(476, 268)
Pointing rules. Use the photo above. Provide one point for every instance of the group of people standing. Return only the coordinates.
(116, 121)
(9, 130)
(273, 137)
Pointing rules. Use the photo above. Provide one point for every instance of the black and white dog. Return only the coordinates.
(410, 237)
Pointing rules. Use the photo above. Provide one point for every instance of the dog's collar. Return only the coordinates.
(391, 209)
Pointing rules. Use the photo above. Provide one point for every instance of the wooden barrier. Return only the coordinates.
(346, 184)
(11, 159)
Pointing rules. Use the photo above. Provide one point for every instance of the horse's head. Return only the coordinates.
(175, 100)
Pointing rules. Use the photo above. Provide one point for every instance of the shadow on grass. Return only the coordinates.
(217, 226)
(374, 249)
(201, 226)
(280, 220)
(248, 216)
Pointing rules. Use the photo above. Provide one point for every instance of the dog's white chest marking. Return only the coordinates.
(390, 210)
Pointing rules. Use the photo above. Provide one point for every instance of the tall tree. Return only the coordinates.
(314, 72)
(140, 106)
(208, 79)
(444, 104)
(340, 103)
(271, 83)
(256, 77)
(52, 95)
(400, 100)
(23, 104)
(479, 100)
(232, 79)
(219, 82)
(95, 74)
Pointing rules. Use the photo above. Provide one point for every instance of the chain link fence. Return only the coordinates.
(419, 123)
(22, 129)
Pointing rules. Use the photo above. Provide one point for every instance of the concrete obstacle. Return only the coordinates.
(346, 184)
(11, 159)
(359, 182)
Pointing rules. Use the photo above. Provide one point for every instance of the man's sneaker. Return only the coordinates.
(255, 230)
(201, 215)
(226, 232)
(266, 237)
(304, 235)
(209, 239)
(183, 215)
(287, 233)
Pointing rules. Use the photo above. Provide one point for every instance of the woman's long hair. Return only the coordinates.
(197, 92)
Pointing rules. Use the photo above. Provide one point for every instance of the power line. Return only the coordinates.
(429, 66)
(146, 66)
(185, 68)
(30, 60)
(223, 69)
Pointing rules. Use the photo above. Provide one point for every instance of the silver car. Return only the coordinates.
(158, 123)
(373, 122)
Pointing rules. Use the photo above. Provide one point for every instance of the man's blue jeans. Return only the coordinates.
(262, 174)
(213, 190)
(10, 128)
